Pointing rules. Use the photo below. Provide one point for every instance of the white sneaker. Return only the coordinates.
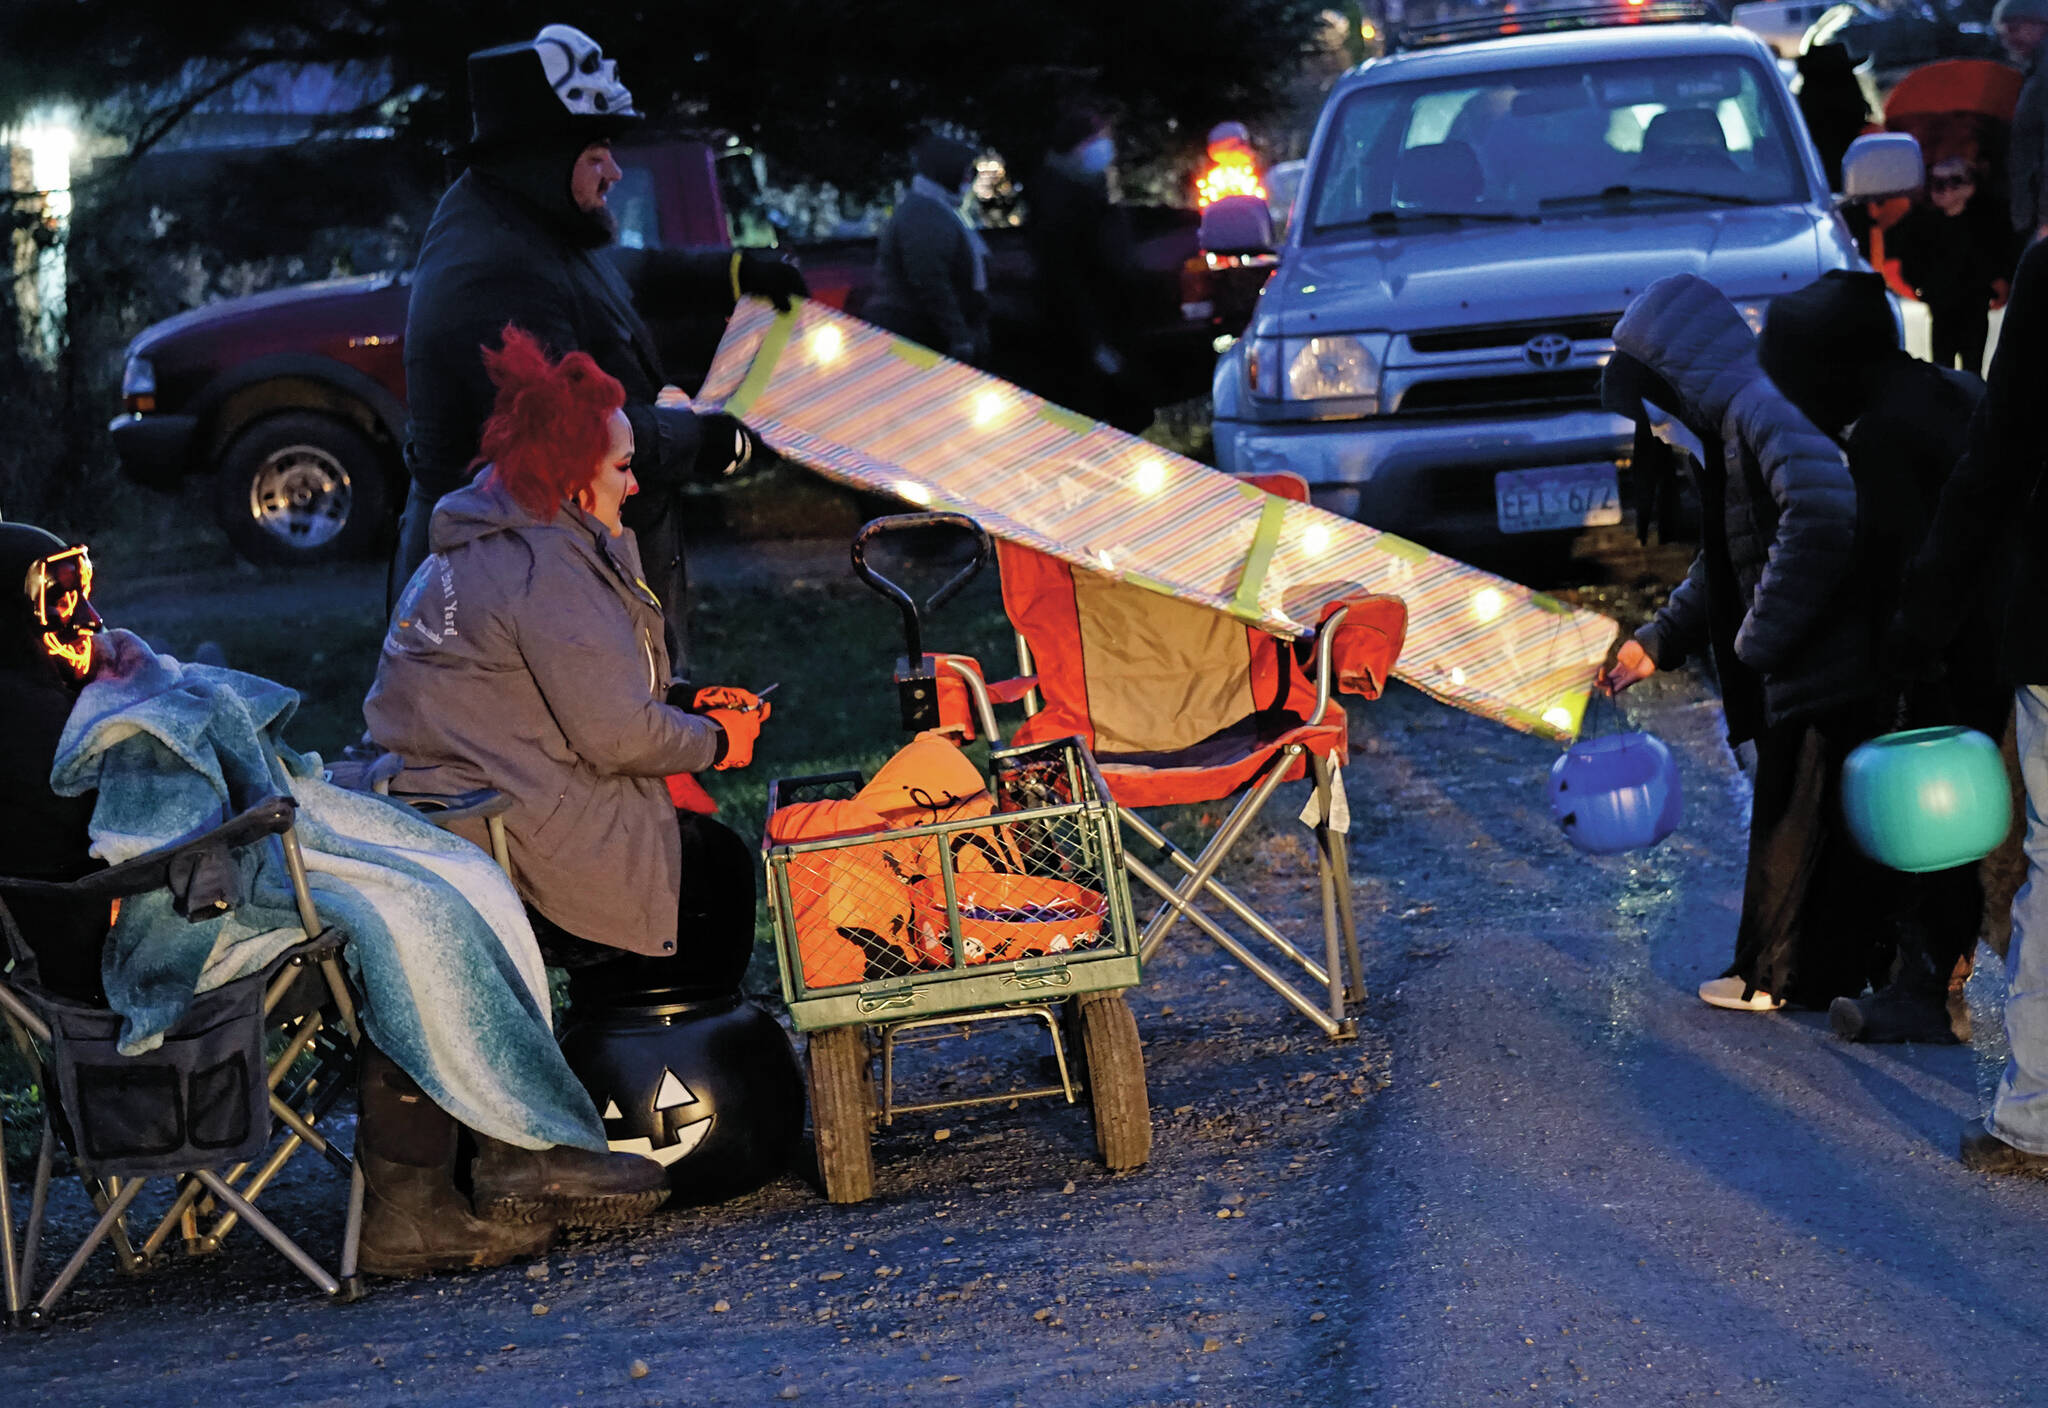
(1737, 996)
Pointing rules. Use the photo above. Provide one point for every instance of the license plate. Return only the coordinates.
(1566, 496)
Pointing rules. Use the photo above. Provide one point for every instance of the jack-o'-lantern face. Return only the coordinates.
(59, 591)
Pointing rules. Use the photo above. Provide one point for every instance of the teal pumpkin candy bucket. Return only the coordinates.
(1927, 798)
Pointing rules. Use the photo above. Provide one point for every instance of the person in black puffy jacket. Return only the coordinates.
(520, 238)
(1772, 599)
(1832, 348)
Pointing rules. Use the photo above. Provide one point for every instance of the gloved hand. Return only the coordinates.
(725, 448)
(772, 277)
(740, 714)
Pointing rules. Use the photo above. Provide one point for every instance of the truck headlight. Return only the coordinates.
(138, 385)
(1334, 367)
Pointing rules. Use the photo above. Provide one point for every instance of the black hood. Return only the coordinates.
(537, 176)
(1827, 346)
(20, 545)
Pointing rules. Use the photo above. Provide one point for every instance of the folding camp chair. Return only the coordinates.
(1183, 704)
(238, 1087)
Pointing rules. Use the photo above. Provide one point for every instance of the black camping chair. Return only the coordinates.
(238, 1087)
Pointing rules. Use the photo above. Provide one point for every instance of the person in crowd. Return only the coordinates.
(1832, 348)
(1084, 259)
(416, 1218)
(44, 662)
(1832, 102)
(2022, 26)
(931, 264)
(1953, 253)
(520, 238)
(1987, 549)
(1769, 598)
(526, 655)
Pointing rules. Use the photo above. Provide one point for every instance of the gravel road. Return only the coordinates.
(1544, 1174)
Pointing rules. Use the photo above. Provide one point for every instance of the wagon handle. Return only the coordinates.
(913, 628)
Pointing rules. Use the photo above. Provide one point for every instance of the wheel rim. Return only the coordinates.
(301, 496)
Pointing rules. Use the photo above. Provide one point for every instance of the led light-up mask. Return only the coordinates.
(59, 592)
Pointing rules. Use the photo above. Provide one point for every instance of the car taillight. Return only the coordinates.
(138, 385)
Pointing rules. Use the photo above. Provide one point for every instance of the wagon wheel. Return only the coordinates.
(1116, 1079)
(842, 1112)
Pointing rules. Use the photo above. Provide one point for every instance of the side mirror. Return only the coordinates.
(1237, 225)
(1882, 164)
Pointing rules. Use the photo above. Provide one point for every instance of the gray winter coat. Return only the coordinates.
(528, 657)
(1788, 512)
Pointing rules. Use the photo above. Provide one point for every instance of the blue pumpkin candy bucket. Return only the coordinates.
(1616, 792)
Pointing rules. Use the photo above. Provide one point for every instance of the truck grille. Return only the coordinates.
(1576, 388)
(1492, 335)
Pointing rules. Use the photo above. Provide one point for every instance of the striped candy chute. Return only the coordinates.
(857, 405)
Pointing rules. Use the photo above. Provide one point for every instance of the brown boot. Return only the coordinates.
(415, 1220)
(564, 1184)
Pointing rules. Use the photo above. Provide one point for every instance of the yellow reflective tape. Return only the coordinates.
(773, 343)
(922, 358)
(733, 272)
(1265, 542)
(1066, 419)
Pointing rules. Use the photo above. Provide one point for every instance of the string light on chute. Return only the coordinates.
(1150, 477)
(1315, 539)
(826, 345)
(1487, 604)
(989, 407)
(912, 491)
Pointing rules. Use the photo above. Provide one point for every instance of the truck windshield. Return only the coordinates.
(1554, 142)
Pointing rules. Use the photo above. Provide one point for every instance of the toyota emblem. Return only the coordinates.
(1547, 350)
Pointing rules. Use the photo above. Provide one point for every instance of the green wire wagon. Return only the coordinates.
(1006, 906)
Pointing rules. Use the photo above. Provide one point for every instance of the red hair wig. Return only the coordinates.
(550, 428)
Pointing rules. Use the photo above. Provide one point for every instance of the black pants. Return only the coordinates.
(1960, 330)
(714, 930)
(1814, 923)
(1821, 920)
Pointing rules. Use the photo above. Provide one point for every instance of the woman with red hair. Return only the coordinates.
(527, 655)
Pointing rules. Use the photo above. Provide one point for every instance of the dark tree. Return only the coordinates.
(833, 89)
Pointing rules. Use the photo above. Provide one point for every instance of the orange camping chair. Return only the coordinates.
(1182, 704)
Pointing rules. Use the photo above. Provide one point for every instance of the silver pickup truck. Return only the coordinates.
(1474, 219)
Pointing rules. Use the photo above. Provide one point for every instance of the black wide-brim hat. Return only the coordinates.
(512, 104)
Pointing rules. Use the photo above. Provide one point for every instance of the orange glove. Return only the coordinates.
(740, 714)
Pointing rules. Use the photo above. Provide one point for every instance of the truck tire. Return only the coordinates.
(842, 1112)
(301, 487)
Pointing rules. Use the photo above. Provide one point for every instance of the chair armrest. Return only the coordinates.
(446, 811)
(151, 871)
(1366, 642)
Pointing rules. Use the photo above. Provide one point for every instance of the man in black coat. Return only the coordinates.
(1832, 348)
(1988, 550)
(520, 238)
(1768, 596)
(1085, 261)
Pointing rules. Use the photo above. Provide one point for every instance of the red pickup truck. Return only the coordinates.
(293, 401)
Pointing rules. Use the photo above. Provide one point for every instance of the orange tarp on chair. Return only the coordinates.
(1182, 704)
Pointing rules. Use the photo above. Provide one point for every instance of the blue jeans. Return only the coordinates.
(2019, 1116)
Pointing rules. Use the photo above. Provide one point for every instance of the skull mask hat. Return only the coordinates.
(54, 621)
(583, 78)
(554, 89)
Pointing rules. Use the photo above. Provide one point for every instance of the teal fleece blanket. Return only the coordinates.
(453, 985)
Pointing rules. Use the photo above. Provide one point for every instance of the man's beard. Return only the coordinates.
(596, 228)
